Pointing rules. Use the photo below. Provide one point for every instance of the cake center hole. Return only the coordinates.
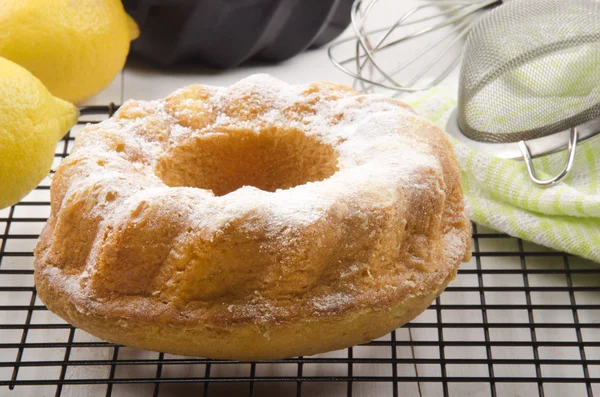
(270, 160)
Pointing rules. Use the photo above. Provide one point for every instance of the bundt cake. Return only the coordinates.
(263, 220)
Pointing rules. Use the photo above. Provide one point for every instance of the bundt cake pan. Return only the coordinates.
(224, 34)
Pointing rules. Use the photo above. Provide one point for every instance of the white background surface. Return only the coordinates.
(143, 82)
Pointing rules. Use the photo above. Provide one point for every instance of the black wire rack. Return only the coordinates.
(519, 320)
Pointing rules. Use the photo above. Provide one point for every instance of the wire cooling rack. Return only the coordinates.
(519, 320)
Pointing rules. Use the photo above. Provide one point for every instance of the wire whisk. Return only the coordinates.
(415, 53)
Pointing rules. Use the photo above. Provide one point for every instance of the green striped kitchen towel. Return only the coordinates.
(500, 195)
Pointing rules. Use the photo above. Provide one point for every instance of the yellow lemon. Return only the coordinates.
(32, 121)
(75, 47)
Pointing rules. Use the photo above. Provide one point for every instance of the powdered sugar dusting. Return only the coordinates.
(455, 245)
(364, 131)
(333, 302)
(73, 286)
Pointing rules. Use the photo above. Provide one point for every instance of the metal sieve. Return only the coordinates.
(530, 81)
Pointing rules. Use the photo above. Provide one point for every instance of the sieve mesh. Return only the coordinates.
(531, 68)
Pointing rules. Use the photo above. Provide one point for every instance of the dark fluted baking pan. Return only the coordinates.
(225, 33)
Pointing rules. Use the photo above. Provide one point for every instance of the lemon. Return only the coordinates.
(32, 121)
(75, 47)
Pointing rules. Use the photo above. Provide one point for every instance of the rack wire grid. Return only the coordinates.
(519, 320)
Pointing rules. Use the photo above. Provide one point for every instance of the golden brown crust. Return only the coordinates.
(348, 250)
(244, 340)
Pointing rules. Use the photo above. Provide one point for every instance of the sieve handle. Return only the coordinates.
(573, 137)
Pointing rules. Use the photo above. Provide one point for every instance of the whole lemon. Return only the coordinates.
(75, 47)
(32, 121)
